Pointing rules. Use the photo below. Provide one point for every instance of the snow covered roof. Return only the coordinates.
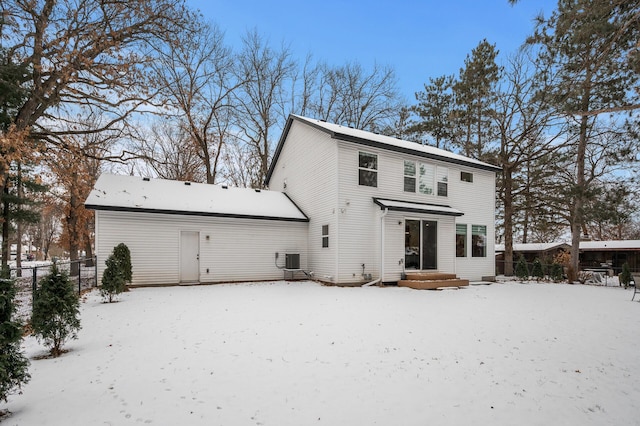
(363, 137)
(409, 206)
(534, 247)
(133, 193)
(610, 245)
(584, 246)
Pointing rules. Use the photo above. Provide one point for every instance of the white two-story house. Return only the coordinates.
(379, 206)
(349, 206)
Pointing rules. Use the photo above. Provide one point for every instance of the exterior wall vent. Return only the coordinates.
(292, 261)
(146, 179)
(224, 187)
(187, 183)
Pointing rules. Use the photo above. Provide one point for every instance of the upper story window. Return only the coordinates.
(426, 179)
(443, 180)
(367, 169)
(466, 177)
(409, 176)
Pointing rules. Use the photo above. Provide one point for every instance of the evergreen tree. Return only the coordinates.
(113, 278)
(56, 310)
(123, 257)
(591, 46)
(522, 269)
(556, 272)
(475, 95)
(13, 364)
(625, 275)
(434, 110)
(537, 271)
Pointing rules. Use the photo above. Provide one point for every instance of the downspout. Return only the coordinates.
(386, 211)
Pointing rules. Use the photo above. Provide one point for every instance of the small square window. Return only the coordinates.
(466, 177)
(325, 235)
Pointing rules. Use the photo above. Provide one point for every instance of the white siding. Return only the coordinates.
(237, 249)
(360, 223)
(308, 164)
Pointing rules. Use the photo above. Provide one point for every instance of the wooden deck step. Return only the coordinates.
(433, 284)
(426, 276)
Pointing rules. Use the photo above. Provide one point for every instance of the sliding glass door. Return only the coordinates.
(420, 244)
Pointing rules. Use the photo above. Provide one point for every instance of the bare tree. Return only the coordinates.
(351, 96)
(197, 81)
(168, 152)
(266, 73)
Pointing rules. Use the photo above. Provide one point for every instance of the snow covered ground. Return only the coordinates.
(304, 354)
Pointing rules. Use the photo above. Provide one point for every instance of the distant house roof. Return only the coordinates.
(137, 194)
(534, 247)
(584, 246)
(610, 245)
(363, 137)
(412, 207)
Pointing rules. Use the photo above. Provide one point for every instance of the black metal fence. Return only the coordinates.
(82, 273)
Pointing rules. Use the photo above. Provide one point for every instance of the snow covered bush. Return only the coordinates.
(522, 269)
(13, 364)
(56, 310)
(537, 270)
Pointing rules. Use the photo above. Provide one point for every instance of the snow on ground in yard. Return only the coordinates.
(304, 354)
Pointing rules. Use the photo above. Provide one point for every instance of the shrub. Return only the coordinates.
(13, 364)
(113, 279)
(522, 269)
(537, 270)
(625, 275)
(56, 308)
(556, 272)
(123, 257)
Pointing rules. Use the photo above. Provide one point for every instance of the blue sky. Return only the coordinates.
(419, 39)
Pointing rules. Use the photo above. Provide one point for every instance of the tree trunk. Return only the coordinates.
(508, 220)
(6, 244)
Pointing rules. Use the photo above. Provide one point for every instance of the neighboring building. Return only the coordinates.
(593, 254)
(530, 251)
(356, 206)
(612, 254)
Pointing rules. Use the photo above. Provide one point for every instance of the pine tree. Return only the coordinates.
(113, 279)
(13, 364)
(522, 269)
(537, 271)
(123, 257)
(625, 275)
(556, 272)
(592, 47)
(56, 310)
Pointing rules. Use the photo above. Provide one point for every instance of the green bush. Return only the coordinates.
(123, 257)
(522, 269)
(113, 279)
(13, 364)
(625, 275)
(56, 310)
(557, 274)
(537, 270)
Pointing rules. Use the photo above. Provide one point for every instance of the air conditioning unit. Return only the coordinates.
(292, 261)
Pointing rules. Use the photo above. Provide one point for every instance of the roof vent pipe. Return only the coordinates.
(146, 179)
(187, 183)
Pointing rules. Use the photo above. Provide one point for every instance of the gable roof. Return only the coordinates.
(137, 194)
(362, 137)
